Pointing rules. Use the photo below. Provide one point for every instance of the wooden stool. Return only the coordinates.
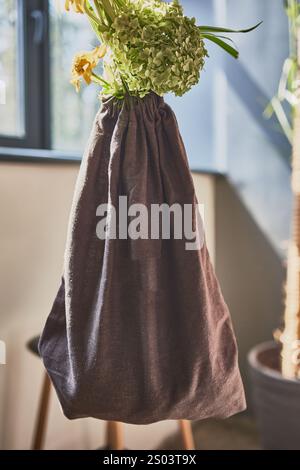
(114, 429)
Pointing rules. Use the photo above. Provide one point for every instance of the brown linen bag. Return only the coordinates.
(139, 331)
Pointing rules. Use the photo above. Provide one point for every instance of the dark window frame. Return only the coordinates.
(35, 62)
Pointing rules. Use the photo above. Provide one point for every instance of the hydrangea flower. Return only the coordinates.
(156, 48)
(152, 46)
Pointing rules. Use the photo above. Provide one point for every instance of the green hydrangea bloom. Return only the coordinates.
(154, 48)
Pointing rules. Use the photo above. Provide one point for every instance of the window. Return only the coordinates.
(37, 44)
(11, 70)
(24, 74)
(42, 112)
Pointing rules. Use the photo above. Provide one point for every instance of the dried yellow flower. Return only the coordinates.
(78, 5)
(84, 64)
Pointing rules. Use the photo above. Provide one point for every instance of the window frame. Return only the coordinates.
(35, 145)
(33, 43)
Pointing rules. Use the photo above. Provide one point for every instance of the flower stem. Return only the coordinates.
(97, 78)
(108, 9)
(90, 12)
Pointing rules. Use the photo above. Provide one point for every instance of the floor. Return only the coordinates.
(236, 433)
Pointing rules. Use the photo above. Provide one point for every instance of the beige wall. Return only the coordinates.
(34, 205)
(205, 190)
(250, 271)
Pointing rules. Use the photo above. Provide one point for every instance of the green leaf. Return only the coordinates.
(225, 38)
(281, 116)
(216, 29)
(224, 45)
(284, 77)
(269, 111)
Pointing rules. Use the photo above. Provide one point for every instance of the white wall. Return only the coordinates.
(35, 200)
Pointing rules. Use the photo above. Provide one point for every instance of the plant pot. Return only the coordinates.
(276, 399)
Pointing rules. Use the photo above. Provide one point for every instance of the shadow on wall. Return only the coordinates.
(250, 272)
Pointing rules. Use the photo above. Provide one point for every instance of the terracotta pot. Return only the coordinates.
(276, 399)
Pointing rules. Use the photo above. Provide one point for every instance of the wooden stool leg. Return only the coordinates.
(186, 434)
(41, 419)
(114, 435)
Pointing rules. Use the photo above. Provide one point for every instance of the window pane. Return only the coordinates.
(72, 113)
(11, 70)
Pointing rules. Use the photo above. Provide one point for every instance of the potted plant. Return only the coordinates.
(275, 366)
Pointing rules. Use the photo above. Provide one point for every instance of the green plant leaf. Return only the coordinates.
(224, 45)
(269, 111)
(226, 38)
(216, 29)
(281, 116)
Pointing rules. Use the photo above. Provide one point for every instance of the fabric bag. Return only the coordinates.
(139, 331)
